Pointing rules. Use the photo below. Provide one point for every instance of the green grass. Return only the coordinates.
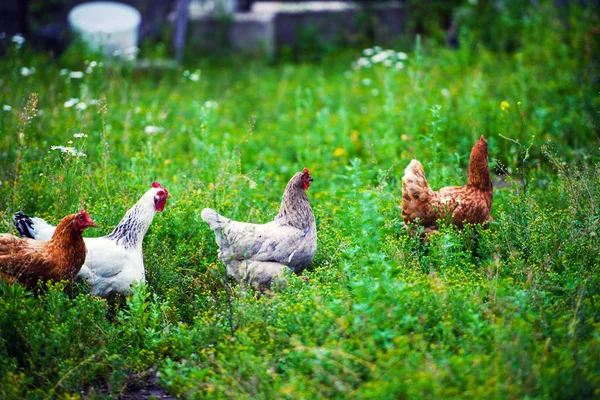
(511, 311)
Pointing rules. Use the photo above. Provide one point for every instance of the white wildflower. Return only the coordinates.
(363, 62)
(76, 75)
(71, 102)
(63, 71)
(79, 135)
(379, 57)
(18, 40)
(130, 53)
(151, 129)
(445, 93)
(399, 65)
(6, 107)
(93, 64)
(211, 104)
(194, 77)
(366, 82)
(81, 106)
(71, 151)
(93, 102)
(402, 56)
(27, 71)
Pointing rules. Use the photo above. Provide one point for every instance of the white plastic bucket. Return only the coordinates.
(108, 25)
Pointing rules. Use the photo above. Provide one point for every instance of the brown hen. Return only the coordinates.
(457, 204)
(26, 260)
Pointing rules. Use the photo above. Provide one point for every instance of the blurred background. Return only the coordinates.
(288, 28)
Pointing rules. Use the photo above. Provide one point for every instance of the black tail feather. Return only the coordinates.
(24, 224)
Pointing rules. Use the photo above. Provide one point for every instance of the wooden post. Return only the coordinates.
(181, 20)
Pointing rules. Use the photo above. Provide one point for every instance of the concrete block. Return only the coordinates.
(271, 26)
(251, 33)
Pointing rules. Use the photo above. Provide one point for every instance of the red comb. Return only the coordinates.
(305, 170)
(157, 185)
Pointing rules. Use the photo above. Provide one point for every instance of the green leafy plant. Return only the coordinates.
(507, 311)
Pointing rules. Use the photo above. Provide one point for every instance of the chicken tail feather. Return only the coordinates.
(33, 228)
(416, 194)
(24, 225)
(213, 219)
(414, 183)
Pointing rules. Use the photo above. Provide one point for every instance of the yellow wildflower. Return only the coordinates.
(339, 152)
(504, 105)
(167, 162)
(355, 138)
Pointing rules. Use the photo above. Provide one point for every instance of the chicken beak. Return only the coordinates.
(169, 195)
(93, 225)
(311, 179)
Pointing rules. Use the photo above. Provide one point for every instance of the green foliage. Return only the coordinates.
(507, 311)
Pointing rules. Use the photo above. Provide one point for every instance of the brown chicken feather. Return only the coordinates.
(457, 204)
(26, 260)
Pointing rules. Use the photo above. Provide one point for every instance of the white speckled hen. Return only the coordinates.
(256, 253)
(115, 261)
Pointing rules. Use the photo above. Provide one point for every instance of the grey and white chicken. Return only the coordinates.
(256, 253)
